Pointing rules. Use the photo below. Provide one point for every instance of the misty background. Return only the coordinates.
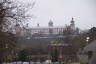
(61, 12)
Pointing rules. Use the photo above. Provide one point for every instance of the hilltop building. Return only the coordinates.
(49, 30)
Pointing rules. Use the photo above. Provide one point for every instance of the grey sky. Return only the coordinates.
(61, 12)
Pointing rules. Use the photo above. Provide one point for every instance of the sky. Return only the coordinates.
(61, 12)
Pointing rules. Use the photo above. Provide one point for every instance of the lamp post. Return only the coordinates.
(16, 57)
(29, 58)
(6, 46)
(87, 39)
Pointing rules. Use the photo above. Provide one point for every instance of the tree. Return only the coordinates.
(78, 42)
(92, 33)
(7, 45)
(12, 16)
(67, 31)
(23, 55)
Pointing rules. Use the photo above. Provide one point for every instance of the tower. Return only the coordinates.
(72, 24)
(50, 24)
(38, 25)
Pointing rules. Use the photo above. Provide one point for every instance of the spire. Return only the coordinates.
(72, 21)
(72, 24)
(38, 25)
(50, 23)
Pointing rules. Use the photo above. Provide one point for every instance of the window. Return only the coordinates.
(90, 53)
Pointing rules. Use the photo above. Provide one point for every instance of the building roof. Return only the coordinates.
(91, 46)
(47, 27)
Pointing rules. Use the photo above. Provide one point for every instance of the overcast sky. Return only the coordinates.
(61, 12)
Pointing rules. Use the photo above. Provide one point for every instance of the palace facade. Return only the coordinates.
(51, 29)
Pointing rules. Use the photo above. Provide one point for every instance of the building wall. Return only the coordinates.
(50, 29)
(47, 30)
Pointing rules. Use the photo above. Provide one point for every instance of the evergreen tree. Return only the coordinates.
(23, 55)
(92, 33)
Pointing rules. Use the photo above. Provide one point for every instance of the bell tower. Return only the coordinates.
(50, 24)
(72, 24)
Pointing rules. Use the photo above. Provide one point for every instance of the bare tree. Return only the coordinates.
(12, 17)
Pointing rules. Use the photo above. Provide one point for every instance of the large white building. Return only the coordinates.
(51, 29)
